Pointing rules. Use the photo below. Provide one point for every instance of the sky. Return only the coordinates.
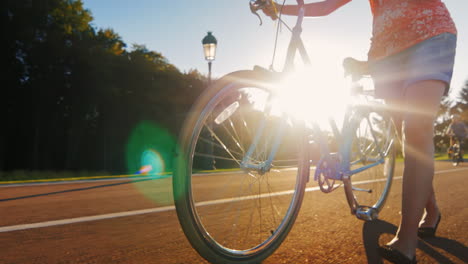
(176, 29)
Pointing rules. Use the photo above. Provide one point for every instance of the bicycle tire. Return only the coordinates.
(370, 139)
(223, 225)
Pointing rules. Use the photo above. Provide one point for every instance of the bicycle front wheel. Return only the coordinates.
(231, 208)
(370, 145)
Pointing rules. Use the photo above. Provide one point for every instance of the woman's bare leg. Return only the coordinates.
(422, 101)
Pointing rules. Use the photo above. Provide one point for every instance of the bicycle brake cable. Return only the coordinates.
(281, 22)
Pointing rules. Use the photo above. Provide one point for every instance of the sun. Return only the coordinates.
(315, 95)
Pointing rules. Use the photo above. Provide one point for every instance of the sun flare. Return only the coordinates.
(313, 95)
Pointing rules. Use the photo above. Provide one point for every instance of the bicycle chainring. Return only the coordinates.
(326, 174)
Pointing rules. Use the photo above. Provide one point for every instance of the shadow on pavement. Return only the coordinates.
(373, 230)
(452, 247)
(74, 190)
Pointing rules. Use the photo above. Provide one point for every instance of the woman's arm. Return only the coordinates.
(314, 9)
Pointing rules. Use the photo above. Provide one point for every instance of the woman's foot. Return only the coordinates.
(393, 255)
(399, 248)
(425, 231)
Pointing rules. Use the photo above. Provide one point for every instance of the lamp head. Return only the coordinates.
(209, 46)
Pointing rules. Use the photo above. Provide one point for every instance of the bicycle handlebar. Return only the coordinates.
(256, 5)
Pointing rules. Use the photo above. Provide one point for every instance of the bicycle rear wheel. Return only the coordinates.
(371, 150)
(230, 214)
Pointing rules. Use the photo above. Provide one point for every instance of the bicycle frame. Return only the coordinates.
(344, 172)
(294, 45)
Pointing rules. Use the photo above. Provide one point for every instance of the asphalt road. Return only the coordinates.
(134, 222)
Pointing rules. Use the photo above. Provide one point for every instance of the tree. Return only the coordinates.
(73, 95)
(38, 39)
(461, 103)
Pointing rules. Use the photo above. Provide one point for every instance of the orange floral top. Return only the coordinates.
(400, 24)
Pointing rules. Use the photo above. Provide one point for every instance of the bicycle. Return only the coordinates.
(455, 151)
(242, 211)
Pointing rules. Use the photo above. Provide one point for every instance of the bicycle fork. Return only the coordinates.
(249, 162)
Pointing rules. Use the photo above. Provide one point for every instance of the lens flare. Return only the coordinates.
(150, 151)
(150, 145)
(151, 162)
(145, 169)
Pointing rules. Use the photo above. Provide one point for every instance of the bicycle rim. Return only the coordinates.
(372, 146)
(231, 215)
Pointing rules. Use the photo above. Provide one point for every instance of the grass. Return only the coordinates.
(35, 175)
(22, 176)
(443, 156)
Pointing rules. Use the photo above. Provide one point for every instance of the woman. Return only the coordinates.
(411, 62)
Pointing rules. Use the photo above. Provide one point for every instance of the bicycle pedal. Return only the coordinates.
(366, 213)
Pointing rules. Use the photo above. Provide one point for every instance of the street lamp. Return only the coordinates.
(209, 47)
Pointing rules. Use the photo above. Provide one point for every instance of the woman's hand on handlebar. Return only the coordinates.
(270, 10)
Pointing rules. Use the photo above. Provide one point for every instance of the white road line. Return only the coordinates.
(161, 209)
(84, 219)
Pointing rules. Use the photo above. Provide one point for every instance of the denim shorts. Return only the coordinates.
(431, 59)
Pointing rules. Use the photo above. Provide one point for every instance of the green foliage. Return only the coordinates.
(461, 103)
(459, 106)
(73, 94)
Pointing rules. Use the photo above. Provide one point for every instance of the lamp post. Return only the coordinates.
(209, 48)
